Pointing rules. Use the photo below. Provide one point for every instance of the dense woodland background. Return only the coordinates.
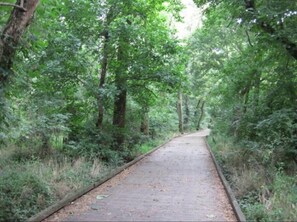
(86, 86)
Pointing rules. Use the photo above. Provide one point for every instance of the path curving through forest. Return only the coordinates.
(178, 182)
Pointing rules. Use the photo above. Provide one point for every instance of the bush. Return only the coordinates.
(91, 144)
(284, 200)
(256, 212)
(23, 154)
(265, 191)
(277, 134)
(21, 195)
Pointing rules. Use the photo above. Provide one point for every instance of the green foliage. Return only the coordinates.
(29, 186)
(47, 122)
(256, 212)
(21, 195)
(249, 79)
(277, 134)
(255, 103)
(239, 62)
(278, 204)
(284, 198)
(265, 192)
(92, 143)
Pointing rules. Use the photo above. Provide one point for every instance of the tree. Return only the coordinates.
(249, 73)
(104, 65)
(133, 56)
(272, 20)
(20, 18)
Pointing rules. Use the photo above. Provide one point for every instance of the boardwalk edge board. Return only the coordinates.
(68, 199)
(238, 213)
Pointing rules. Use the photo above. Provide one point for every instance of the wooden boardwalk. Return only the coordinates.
(178, 182)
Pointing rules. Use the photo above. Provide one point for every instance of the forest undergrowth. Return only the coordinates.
(31, 182)
(265, 192)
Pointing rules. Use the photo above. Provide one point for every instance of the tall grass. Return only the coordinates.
(31, 184)
(30, 181)
(265, 192)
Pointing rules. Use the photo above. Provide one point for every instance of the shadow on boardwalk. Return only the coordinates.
(178, 182)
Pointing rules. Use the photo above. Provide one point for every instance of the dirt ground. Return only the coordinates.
(178, 182)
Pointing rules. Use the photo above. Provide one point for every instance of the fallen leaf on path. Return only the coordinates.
(100, 197)
(210, 216)
(94, 207)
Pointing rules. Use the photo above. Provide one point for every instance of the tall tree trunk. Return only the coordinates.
(120, 109)
(19, 19)
(9, 40)
(201, 115)
(119, 112)
(104, 64)
(197, 108)
(180, 112)
(187, 113)
(144, 126)
(119, 115)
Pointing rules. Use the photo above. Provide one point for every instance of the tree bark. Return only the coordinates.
(187, 113)
(20, 6)
(201, 115)
(19, 19)
(120, 100)
(144, 127)
(120, 106)
(104, 64)
(119, 115)
(180, 112)
(9, 40)
(197, 108)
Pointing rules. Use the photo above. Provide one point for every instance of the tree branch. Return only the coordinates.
(21, 6)
(249, 39)
(290, 46)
